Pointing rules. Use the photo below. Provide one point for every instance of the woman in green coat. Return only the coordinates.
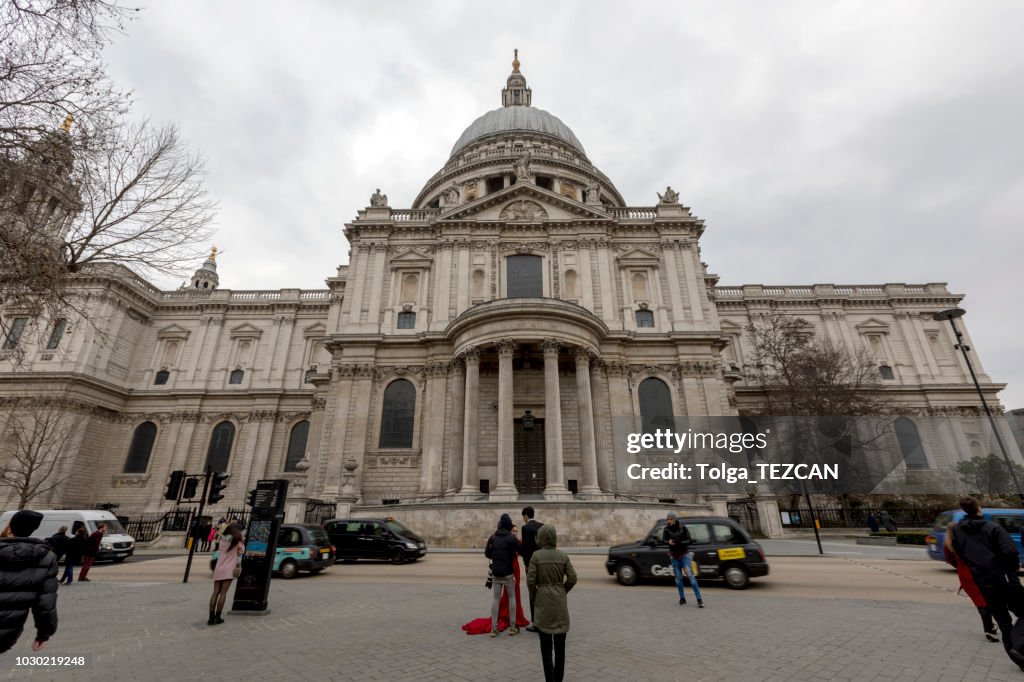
(549, 578)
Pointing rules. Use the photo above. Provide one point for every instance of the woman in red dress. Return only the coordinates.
(482, 626)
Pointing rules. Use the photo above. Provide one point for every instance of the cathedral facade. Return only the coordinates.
(476, 347)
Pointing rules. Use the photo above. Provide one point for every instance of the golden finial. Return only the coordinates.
(66, 125)
(515, 60)
(213, 253)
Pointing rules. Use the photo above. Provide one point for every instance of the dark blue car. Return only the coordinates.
(1010, 519)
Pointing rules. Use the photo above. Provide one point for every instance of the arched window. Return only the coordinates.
(910, 444)
(296, 445)
(655, 405)
(161, 377)
(219, 452)
(407, 320)
(644, 318)
(398, 414)
(140, 449)
(524, 276)
(236, 376)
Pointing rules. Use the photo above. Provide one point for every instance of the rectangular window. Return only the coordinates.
(15, 329)
(495, 184)
(406, 320)
(58, 331)
(525, 276)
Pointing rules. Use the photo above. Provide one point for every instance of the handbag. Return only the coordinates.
(237, 573)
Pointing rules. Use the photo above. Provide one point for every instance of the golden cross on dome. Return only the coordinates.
(213, 253)
(515, 60)
(66, 125)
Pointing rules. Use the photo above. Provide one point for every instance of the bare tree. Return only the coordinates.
(823, 400)
(36, 446)
(50, 67)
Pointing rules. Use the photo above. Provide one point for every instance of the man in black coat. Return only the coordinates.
(28, 581)
(989, 552)
(58, 542)
(530, 528)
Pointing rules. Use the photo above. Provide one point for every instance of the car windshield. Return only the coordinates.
(396, 527)
(113, 527)
(942, 521)
(318, 535)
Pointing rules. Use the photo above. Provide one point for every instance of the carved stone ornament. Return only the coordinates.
(523, 210)
(550, 347)
(506, 347)
(669, 197)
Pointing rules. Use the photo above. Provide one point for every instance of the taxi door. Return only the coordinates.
(705, 558)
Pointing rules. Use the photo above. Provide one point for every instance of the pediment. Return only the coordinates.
(636, 253)
(526, 203)
(411, 257)
(244, 330)
(173, 331)
(730, 327)
(316, 329)
(873, 324)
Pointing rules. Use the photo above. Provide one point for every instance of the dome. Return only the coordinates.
(514, 119)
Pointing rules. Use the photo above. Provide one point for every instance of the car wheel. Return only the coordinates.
(397, 556)
(289, 570)
(627, 574)
(119, 559)
(736, 578)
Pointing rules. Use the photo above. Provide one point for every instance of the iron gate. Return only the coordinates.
(318, 511)
(744, 512)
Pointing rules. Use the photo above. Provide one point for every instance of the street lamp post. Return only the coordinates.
(951, 314)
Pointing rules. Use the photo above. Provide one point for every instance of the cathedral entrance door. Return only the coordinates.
(528, 457)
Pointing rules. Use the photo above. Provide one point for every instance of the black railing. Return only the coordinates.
(836, 517)
(147, 527)
(241, 514)
(318, 512)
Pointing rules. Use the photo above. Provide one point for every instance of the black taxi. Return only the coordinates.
(721, 549)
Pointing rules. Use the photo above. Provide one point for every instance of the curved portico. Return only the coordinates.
(511, 332)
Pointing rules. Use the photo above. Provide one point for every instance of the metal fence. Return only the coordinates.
(147, 527)
(744, 512)
(241, 514)
(318, 512)
(835, 517)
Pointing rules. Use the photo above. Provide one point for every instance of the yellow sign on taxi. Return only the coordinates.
(731, 553)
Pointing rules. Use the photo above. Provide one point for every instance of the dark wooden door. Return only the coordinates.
(529, 458)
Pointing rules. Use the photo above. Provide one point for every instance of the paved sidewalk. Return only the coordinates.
(319, 630)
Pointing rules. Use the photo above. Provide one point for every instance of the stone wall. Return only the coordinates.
(579, 524)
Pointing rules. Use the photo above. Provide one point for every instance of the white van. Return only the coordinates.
(116, 545)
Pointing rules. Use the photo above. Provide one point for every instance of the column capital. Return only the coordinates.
(583, 355)
(506, 347)
(551, 347)
(470, 355)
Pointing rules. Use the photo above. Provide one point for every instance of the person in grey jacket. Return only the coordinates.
(28, 582)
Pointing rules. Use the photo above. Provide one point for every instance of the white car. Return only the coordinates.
(116, 545)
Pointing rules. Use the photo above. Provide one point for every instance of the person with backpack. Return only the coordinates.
(679, 541)
(991, 557)
(503, 550)
(968, 585)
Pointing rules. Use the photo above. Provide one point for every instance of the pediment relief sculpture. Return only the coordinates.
(523, 210)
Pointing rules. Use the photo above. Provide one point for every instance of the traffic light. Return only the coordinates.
(218, 482)
(174, 485)
(191, 483)
(252, 498)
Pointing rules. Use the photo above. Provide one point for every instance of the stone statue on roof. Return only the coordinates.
(669, 197)
(522, 167)
(378, 200)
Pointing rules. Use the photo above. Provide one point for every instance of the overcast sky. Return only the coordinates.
(846, 142)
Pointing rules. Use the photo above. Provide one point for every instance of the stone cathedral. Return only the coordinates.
(470, 356)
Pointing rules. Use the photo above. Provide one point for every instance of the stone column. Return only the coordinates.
(457, 378)
(602, 424)
(506, 488)
(471, 426)
(555, 488)
(433, 429)
(588, 448)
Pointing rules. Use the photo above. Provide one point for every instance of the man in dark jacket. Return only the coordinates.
(678, 539)
(92, 550)
(530, 528)
(990, 554)
(58, 542)
(503, 550)
(28, 581)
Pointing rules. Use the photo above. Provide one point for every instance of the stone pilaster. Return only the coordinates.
(471, 426)
(555, 488)
(506, 489)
